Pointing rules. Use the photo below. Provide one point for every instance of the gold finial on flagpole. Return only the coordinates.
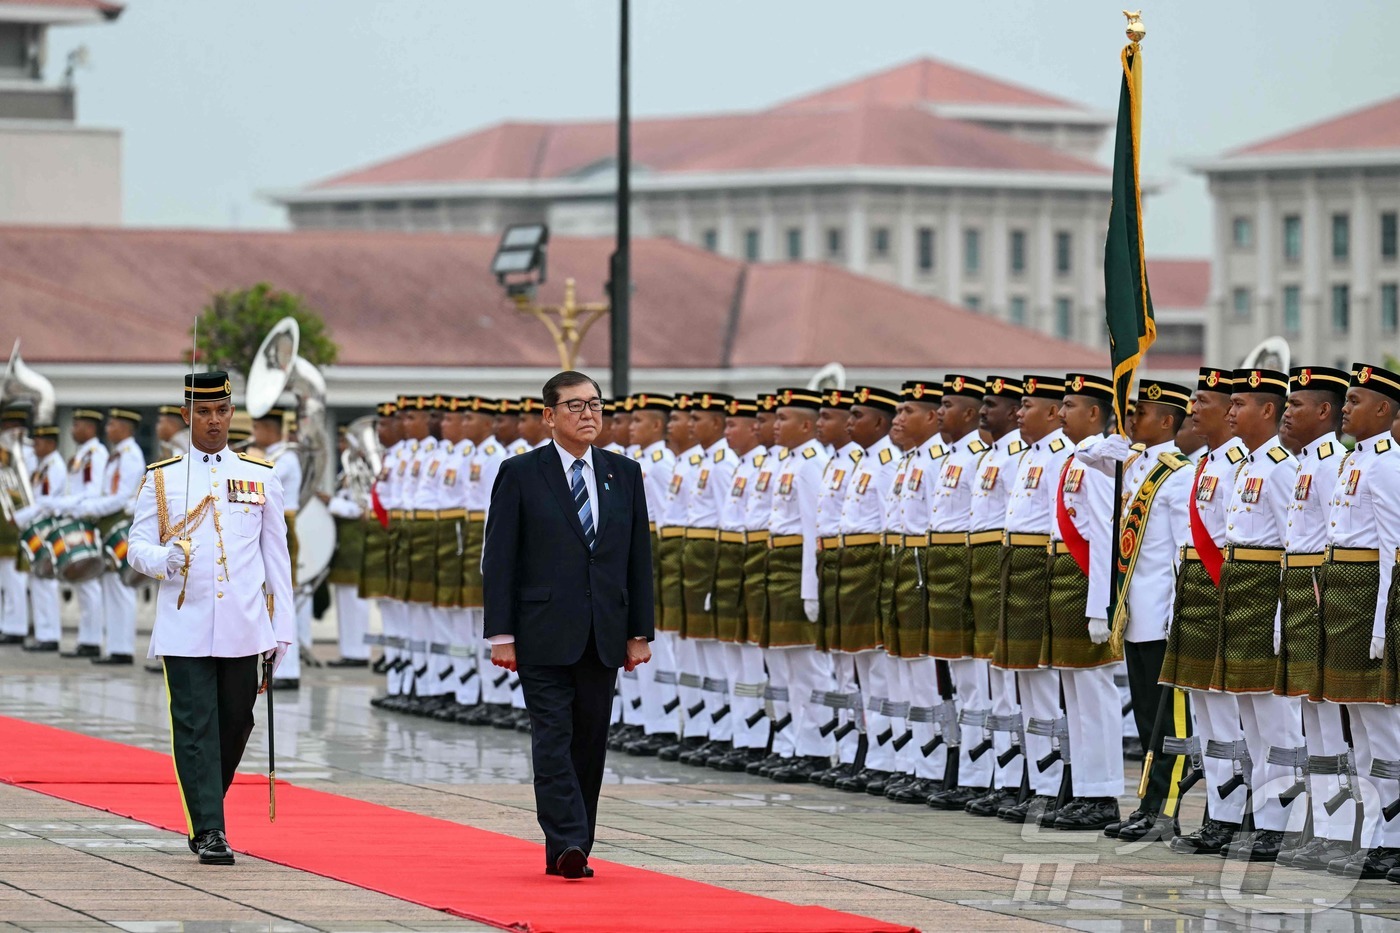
(1136, 30)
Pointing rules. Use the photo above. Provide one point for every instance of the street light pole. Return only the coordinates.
(621, 281)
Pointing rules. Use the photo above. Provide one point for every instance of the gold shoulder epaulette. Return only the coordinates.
(809, 452)
(258, 460)
(1234, 455)
(937, 450)
(1326, 450)
(886, 456)
(1057, 445)
(160, 463)
(976, 446)
(719, 455)
(695, 459)
(1139, 447)
(857, 454)
(1015, 447)
(758, 461)
(1382, 446)
(490, 449)
(784, 454)
(656, 456)
(1278, 454)
(1173, 459)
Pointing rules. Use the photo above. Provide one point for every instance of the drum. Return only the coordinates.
(34, 543)
(114, 546)
(316, 544)
(77, 554)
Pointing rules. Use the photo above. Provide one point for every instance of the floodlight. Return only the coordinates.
(522, 251)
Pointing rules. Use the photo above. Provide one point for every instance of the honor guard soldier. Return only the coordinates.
(1358, 660)
(674, 516)
(622, 425)
(793, 593)
(428, 591)
(533, 430)
(374, 570)
(604, 438)
(1190, 658)
(85, 473)
(224, 601)
(269, 435)
(863, 670)
(507, 427)
(1256, 529)
(500, 690)
(1157, 482)
(14, 599)
(658, 679)
(393, 611)
(171, 431)
(348, 509)
(781, 742)
(906, 723)
(109, 509)
(699, 653)
(458, 677)
(50, 484)
(408, 575)
(629, 720)
(996, 469)
(1030, 511)
(1311, 420)
(740, 529)
(1077, 627)
(832, 433)
(948, 568)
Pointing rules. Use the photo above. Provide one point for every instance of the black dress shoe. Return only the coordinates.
(1378, 863)
(700, 756)
(1318, 854)
(572, 864)
(551, 870)
(348, 662)
(1029, 810)
(991, 803)
(856, 781)
(1094, 813)
(286, 683)
(41, 646)
(620, 736)
(799, 769)
(448, 711)
(380, 665)
(674, 752)
(1260, 846)
(648, 745)
(915, 791)
(212, 848)
(1205, 841)
(1151, 826)
(11, 639)
(482, 715)
(83, 651)
(880, 781)
(1132, 749)
(737, 760)
(955, 798)
(766, 766)
(122, 659)
(1111, 830)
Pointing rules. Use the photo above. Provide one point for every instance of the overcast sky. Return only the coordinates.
(221, 101)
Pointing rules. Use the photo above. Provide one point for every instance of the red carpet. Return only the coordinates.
(467, 872)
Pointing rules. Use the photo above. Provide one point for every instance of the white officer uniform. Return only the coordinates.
(393, 612)
(831, 499)
(50, 483)
(286, 463)
(676, 514)
(351, 612)
(744, 662)
(85, 473)
(482, 464)
(465, 680)
(120, 480)
(657, 685)
(707, 657)
(433, 495)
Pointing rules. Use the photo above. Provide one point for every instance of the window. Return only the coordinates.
(1292, 310)
(1064, 318)
(925, 249)
(794, 243)
(835, 247)
(1242, 233)
(1292, 238)
(1018, 252)
(751, 245)
(972, 251)
(1064, 258)
(972, 302)
(880, 242)
(1341, 236)
(1388, 235)
(1390, 308)
(1341, 309)
(1017, 310)
(1239, 301)
(710, 238)
(15, 61)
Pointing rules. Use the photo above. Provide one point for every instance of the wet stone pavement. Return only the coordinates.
(67, 867)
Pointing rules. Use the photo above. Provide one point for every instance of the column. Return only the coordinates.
(952, 258)
(1218, 342)
(1042, 311)
(857, 231)
(998, 265)
(685, 224)
(813, 245)
(1093, 227)
(1266, 314)
(1365, 329)
(1316, 311)
(727, 244)
(906, 242)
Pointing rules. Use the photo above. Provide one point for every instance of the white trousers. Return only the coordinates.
(89, 611)
(971, 681)
(1094, 715)
(1322, 731)
(919, 687)
(1217, 718)
(290, 668)
(1375, 735)
(44, 598)
(466, 679)
(352, 620)
(690, 666)
(804, 669)
(873, 672)
(718, 686)
(1267, 721)
(394, 615)
(1040, 699)
(14, 599)
(746, 683)
(118, 615)
(1004, 704)
(660, 708)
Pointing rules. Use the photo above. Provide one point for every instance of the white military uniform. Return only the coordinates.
(238, 595)
(744, 662)
(706, 657)
(676, 514)
(657, 684)
(464, 681)
(85, 472)
(50, 483)
(351, 611)
(393, 612)
(120, 480)
(286, 463)
(482, 465)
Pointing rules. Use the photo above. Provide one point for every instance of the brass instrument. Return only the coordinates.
(21, 382)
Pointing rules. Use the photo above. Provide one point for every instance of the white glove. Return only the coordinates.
(175, 558)
(1278, 629)
(708, 601)
(30, 514)
(1377, 647)
(1098, 631)
(274, 656)
(812, 608)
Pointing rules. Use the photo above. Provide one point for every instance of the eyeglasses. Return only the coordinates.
(577, 405)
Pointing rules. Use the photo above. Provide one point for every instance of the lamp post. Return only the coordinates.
(520, 266)
(620, 280)
(567, 323)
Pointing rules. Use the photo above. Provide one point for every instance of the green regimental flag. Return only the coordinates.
(1131, 327)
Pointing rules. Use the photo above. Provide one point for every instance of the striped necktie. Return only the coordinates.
(585, 508)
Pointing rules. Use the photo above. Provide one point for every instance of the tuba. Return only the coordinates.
(363, 458)
(277, 368)
(20, 382)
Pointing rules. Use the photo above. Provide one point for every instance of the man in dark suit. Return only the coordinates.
(568, 600)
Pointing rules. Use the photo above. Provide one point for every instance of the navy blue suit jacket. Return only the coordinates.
(541, 582)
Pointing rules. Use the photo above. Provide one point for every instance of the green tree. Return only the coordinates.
(232, 327)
